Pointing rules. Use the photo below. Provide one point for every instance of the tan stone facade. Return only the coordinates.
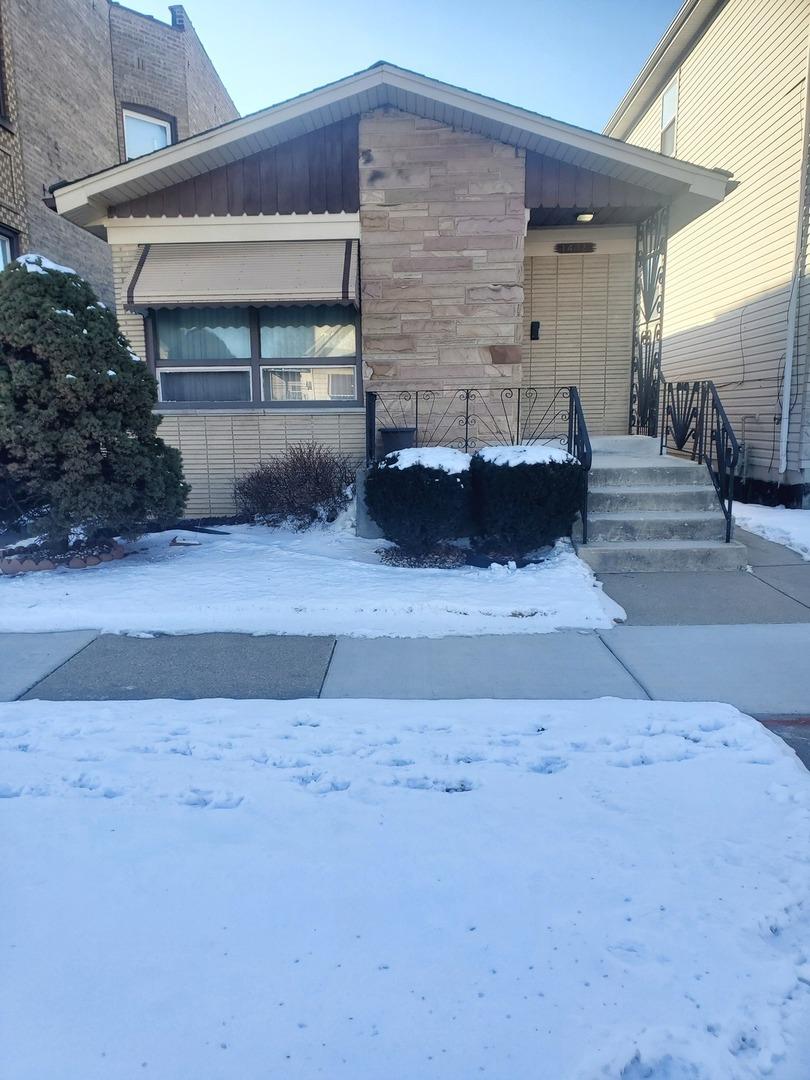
(442, 223)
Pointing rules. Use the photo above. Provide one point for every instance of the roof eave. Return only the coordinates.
(677, 39)
(85, 201)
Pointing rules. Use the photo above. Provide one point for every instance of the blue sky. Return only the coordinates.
(570, 59)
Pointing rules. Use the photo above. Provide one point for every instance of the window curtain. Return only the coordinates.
(203, 334)
(299, 333)
(205, 385)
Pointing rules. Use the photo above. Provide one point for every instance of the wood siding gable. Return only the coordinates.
(315, 173)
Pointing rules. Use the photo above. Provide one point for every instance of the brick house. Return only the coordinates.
(301, 272)
(84, 85)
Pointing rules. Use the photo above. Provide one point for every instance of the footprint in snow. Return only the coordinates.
(549, 765)
(216, 801)
(9, 792)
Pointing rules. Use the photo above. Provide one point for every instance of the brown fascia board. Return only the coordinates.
(677, 41)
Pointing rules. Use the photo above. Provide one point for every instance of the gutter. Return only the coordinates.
(795, 284)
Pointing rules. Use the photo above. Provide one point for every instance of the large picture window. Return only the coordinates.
(286, 356)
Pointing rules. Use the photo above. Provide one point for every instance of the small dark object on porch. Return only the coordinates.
(309, 482)
(397, 438)
(418, 508)
(520, 508)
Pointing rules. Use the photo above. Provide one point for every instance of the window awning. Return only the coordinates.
(241, 273)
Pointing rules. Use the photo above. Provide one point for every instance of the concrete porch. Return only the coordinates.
(649, 512)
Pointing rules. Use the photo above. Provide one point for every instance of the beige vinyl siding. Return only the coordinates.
(219, 447)
(584, 304)
(741, 107)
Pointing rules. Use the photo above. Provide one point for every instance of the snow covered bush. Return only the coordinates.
(420, 498)
(525, 497)
(309, 482)
(79, 451)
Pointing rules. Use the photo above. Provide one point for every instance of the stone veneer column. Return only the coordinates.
(442, 223)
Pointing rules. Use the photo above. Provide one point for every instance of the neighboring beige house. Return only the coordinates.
(385, 234)
(728, 85)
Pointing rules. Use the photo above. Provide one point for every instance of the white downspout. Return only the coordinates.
(795, 284)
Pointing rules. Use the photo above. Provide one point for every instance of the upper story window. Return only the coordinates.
(144, 133)
(669, 117)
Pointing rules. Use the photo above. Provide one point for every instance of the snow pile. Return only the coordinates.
(324, 581)
(346, 889)
(443, 458)
(524, 455)
(776, 523)
(38, 264)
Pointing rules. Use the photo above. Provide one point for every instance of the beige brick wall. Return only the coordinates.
(442, 224)
(219, 447)
(124, 260)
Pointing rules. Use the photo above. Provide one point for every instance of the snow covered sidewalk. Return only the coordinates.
(324, 581)
(519, 890)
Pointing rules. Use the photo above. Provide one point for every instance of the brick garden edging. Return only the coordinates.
(11, 565)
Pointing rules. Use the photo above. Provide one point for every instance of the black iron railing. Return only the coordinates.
(697, 424)
(473, 417)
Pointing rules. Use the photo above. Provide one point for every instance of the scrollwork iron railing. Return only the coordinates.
(696, 421)
(473, 417)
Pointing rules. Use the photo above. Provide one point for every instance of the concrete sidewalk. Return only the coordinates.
(762, 669)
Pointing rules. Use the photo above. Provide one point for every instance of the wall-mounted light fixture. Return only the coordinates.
(586, 216)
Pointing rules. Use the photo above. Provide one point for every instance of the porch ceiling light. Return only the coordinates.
(586, 216)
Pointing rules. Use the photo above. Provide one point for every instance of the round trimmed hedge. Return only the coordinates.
(525, 497)
(420, 498)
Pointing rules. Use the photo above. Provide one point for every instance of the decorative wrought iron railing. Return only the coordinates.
(697, 424)
(473, 417)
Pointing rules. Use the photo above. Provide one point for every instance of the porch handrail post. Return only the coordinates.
(371, 426)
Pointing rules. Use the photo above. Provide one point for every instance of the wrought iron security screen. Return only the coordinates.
(645, 391)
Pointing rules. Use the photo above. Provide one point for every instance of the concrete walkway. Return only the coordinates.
(775, 590)
(761, 669)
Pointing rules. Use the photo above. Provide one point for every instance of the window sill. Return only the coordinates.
(168, 409)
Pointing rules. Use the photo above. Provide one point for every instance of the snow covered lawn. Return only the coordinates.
(603, 890)
(324, 581)
(776, 523)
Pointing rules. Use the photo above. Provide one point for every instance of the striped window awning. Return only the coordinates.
(242, 273)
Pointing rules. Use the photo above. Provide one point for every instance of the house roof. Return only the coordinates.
(85, 201)
(689, 22)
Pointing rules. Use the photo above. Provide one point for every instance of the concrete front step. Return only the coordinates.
(655, 555)
(656, 525)
(631, 474)
(623, 500)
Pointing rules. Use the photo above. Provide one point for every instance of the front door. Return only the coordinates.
(581, 305)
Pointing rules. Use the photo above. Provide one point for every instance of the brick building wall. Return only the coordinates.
(73, 63)
(442, 223)
(66, 118)
(209, 103)
(12, 188)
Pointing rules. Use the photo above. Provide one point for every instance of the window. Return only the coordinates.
(9, 246)
(203, 334)
(307, 332)
(309, 383)
(669, 117)
(256, 356)
(215, 385)
(144, 133)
